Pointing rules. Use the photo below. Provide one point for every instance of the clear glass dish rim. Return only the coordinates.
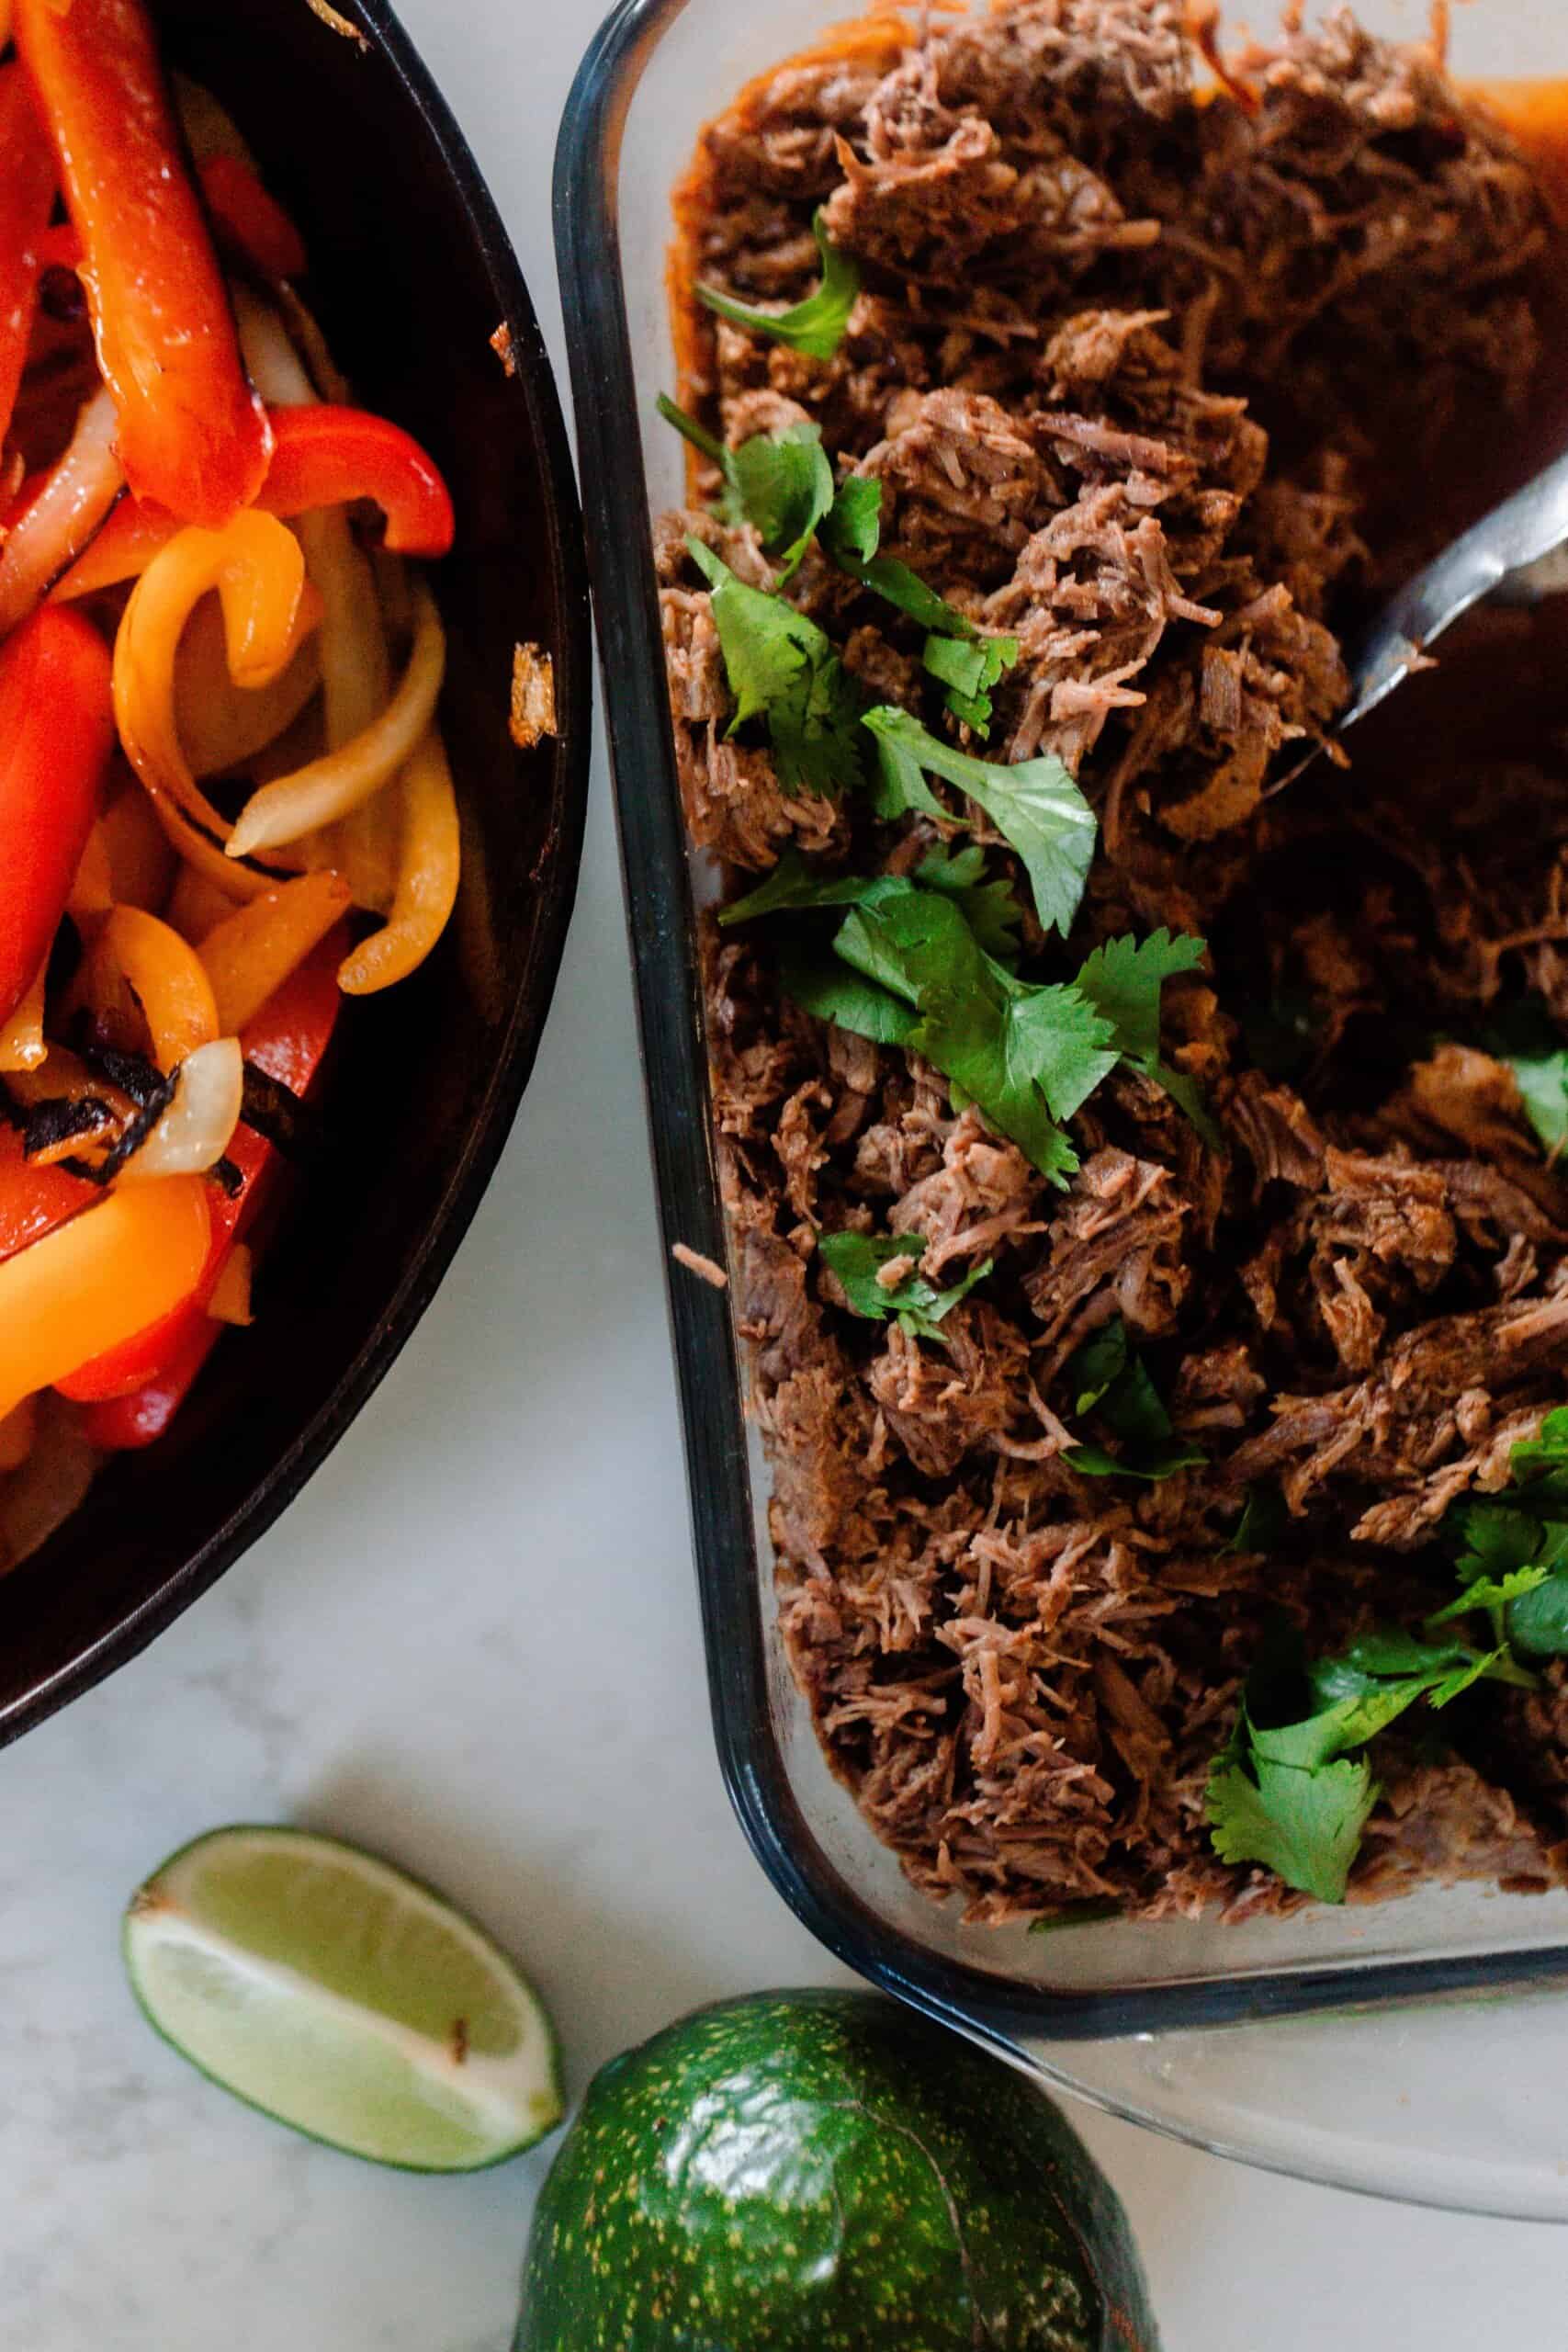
(992, 2007)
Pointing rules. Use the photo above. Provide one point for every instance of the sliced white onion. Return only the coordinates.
(273, 365)
(195, 1131)
(66, 514)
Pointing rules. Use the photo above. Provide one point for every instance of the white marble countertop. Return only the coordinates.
(473, 1643)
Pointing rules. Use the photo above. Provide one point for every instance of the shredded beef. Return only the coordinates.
(1155, 384)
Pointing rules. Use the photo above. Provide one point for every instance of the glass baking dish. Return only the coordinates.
(1373, 2048)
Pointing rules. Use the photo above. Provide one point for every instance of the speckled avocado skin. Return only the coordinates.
(823, 2171)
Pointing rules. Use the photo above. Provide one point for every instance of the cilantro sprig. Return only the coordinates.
(1512, 1549)
(850, 535)
(815, 326)
(1034, 804)
(969, 670)
(1294, 1787)
(784, 670)
(858, 1259)
(781, 482)
(1106, 1377)
(907, 966)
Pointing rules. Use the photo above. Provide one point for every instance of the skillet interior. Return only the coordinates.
(411, 272)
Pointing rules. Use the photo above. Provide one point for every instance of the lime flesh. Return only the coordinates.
(324, 1986)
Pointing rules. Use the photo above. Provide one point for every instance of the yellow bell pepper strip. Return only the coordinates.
(56, 732)
(250, 955)
(330, 788)
(26, 196)
(192, 436)
(258, 569)
(165, 974)
(95, 1282)
(428, 880)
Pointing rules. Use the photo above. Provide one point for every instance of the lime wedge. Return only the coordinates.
(326, 1988)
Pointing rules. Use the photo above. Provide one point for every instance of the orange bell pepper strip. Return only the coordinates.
(322, 456)
(27, 197)
(121, 1369)
(56, 734)
(192, 433)
(136, 1389)
(249, 217)
(92, 1283)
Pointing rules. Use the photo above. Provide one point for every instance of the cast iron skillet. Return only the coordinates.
(412, 273)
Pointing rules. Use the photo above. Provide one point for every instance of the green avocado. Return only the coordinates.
(824, 2172)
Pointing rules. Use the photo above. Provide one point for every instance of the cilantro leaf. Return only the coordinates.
(969, 669)
(851, 528)
(793, 883)
(850, 535)
(1512, 1551)
(1109, 1377)
(1490, 1592)
(1027, 1056)
(782, 668)
(1544, 1456)
(1100, 1361)
(1293, 1790)
(1305, 1825)
(1526, 1042)
(990, 908)
(857, 1259)
(781, 482)
(1263, 1521)
(812, 976)
(1124, 977)
(1152, 1465)
(1035, 805)
(815, 326)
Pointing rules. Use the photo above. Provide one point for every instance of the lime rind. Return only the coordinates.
(327, 1989)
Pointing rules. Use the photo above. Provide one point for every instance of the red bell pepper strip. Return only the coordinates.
(126, 1423)
(192, 433)
(33, 1199)
(27, 197)
(287, 1041)
(60, 247)
(250, 219)
(326, 456)
(56, 734)
(322, 456)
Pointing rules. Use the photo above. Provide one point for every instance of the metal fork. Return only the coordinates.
(1518, 555)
